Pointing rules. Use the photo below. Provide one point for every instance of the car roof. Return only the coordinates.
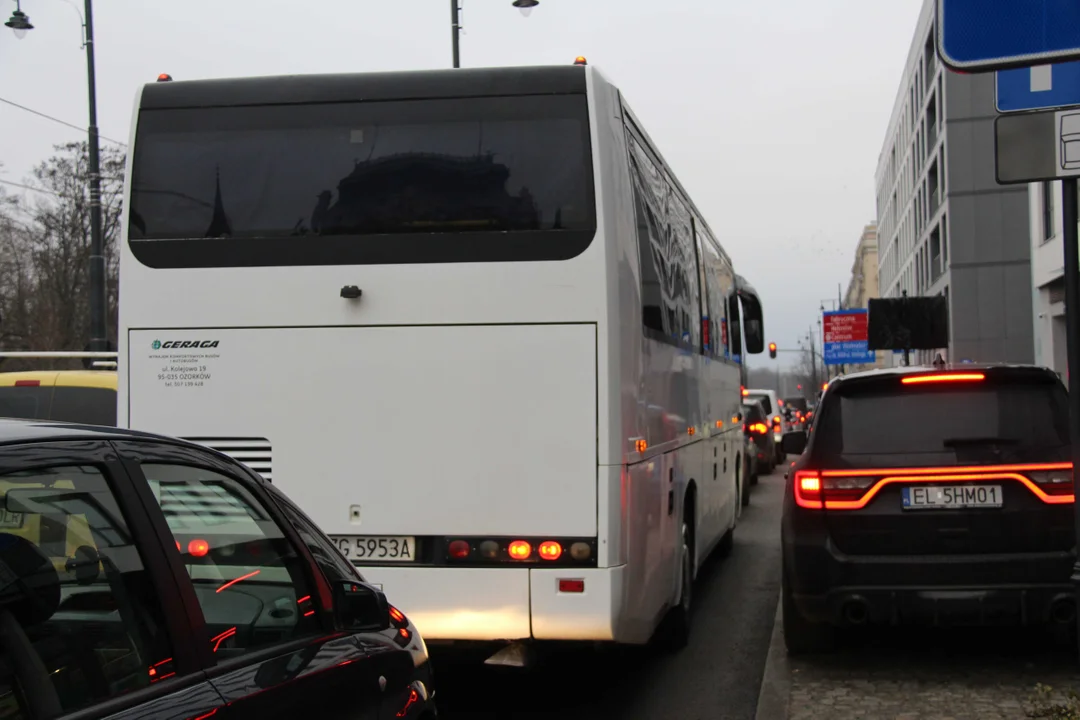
(63, 378)
(13, 431)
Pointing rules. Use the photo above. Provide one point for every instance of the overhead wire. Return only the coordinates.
(57, 120)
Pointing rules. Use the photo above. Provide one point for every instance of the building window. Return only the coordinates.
(1048, 210)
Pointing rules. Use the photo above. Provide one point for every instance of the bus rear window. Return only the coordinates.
(446, 180)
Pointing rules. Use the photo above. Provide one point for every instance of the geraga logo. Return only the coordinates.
(183, 344)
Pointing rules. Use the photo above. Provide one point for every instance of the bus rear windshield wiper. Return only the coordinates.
(955, 442)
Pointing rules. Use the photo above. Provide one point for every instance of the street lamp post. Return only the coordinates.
(20, 24)
(525, 6)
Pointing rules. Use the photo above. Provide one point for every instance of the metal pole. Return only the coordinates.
(455, 25)
(98, 302)
(1072, 324)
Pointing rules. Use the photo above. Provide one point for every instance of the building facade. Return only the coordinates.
(1047, 275)
(864, 283)
(945, 226)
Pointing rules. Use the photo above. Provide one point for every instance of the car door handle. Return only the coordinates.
(351, 292)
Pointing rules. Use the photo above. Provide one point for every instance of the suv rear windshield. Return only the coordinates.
(764, 400)
(1007, 419)
(82, 405)
(437, 180)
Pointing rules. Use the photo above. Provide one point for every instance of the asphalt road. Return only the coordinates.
(717, 677)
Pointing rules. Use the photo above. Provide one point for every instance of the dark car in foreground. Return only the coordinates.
(940, 496)
(145, 577)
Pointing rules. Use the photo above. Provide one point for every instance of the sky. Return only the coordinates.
(771, 112)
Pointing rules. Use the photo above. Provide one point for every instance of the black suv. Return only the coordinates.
(928, 495)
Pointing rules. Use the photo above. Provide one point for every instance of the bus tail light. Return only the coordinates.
(459, 549)
(580, 551)
(550, 550)
(27, 383)
(198, 548)
(520, 550)
(496, 551)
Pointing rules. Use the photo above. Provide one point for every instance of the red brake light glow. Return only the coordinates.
(27, 383)
(520, 550)
(855, 489)
(944, 377)
(397, 615)
(550, 550)
(198, 548)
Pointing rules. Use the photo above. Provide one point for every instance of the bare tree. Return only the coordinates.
(45, 252)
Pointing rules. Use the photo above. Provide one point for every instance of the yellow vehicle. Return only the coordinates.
(87, 397)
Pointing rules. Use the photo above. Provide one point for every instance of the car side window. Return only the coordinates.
(329, 558)
(250, 581)
(81, 619)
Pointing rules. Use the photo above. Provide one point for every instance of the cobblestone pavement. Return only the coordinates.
(983, 675)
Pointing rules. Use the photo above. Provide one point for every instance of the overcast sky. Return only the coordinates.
(772, 112)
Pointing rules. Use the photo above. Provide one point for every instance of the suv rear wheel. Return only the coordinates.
(801, 636)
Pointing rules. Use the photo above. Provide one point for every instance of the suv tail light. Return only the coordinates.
(813, 491)
(1053, 482)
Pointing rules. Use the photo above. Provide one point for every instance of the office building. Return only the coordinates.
(1047, 275)
(864, 283)
(945, 227)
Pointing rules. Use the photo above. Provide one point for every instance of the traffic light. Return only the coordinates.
(772, 350)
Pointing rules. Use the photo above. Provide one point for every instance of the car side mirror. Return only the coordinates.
(794, 443)
(361, 607)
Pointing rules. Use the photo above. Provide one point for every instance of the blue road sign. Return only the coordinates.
(845, 338)
(1038, 88)
(982, 35)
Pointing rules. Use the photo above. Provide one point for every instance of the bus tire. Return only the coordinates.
(674, 631)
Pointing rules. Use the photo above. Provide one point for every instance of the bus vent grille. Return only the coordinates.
(253, 452)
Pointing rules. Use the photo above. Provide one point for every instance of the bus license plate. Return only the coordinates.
(951, 497)
(366, 548)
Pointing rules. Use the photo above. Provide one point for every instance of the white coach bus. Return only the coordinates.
(469, 320)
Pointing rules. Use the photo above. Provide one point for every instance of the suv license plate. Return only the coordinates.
(951, 497)
(368, 548)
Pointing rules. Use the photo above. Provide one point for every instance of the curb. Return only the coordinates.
(774, 697)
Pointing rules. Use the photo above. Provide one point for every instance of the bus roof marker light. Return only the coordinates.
(943, 377)
(525, 6)
(580, 60)
(164, 77)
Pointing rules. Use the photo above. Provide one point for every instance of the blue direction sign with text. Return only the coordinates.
(982, 35)
(1038, 88)
(846, 337)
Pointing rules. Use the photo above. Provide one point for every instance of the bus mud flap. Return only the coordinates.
(518, 654)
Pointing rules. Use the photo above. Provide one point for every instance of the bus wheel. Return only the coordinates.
(674, 631)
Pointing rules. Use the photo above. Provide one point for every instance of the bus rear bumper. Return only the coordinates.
(498, 604)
